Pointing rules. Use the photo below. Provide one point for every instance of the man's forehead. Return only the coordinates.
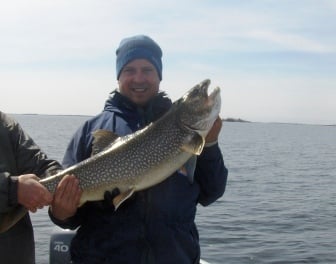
(139, 63)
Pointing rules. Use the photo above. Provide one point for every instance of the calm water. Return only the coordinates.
(280, 202)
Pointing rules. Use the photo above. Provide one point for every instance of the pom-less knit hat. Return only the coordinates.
(139, 47)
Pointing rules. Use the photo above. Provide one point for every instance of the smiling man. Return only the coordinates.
(155, 225)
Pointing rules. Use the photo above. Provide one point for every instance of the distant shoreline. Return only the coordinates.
(239, 120)
(228, 119)
(51, 114)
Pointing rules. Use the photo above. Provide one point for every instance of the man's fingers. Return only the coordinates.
(68, 191)
(66, 197)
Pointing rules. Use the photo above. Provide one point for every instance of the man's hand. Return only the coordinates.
(32, 194)
(66, 198)
(108, 198)
(214, 131)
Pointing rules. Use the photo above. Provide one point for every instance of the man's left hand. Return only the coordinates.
(214, 131)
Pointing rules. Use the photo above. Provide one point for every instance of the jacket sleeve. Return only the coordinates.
(70, 223)
(20, 156)
(8, 192)
(31, 159)
(211, 174)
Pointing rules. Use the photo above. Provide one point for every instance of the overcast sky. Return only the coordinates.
(274, 60)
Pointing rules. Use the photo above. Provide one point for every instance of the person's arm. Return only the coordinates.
(210, 171)
(64, 209)
(26, 190)
(23, 162)
(211, 174)
(29, 157)
(5, 193)
(65, 203)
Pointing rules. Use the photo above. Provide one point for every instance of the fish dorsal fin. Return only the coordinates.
(194, 144)
(101, 140)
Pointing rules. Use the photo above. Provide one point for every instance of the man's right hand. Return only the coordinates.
(66, 198)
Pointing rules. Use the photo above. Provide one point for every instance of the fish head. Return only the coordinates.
(198, 110)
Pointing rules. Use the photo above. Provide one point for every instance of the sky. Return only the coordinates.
(274, 60)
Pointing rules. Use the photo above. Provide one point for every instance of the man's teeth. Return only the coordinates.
(139, 89)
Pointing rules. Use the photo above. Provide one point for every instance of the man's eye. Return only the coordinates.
(128, 70)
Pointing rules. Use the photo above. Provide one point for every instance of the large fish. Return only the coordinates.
(144, 158)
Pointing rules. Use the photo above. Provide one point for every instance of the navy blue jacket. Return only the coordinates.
(155, 225)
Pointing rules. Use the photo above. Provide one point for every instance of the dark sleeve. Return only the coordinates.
(211, 174)
(8, 192)
(30, 158)
(20, 156)
(70, 223)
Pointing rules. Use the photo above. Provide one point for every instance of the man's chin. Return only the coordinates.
(140, 100)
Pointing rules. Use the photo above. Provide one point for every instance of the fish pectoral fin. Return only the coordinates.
(188, 169)
(119, 199)
(194, 144)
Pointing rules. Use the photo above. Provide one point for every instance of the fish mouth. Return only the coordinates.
(202, 98)
(204, 106)
(205, 84)
(213, 97)
(205, 87)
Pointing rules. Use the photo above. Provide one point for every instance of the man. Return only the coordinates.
(155, 225)
(21, 164)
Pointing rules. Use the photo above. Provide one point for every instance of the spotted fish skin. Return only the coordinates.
(148, 156)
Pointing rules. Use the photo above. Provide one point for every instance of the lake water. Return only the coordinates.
(280, 201)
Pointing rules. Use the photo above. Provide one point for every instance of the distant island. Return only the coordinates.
(230, 119)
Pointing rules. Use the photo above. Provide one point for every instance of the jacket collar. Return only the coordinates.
(155, 108)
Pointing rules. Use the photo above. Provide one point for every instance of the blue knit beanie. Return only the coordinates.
(139, 47)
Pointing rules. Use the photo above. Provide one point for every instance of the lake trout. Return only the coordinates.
(145, 158)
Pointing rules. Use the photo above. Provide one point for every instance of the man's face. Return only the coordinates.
(139, 81)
